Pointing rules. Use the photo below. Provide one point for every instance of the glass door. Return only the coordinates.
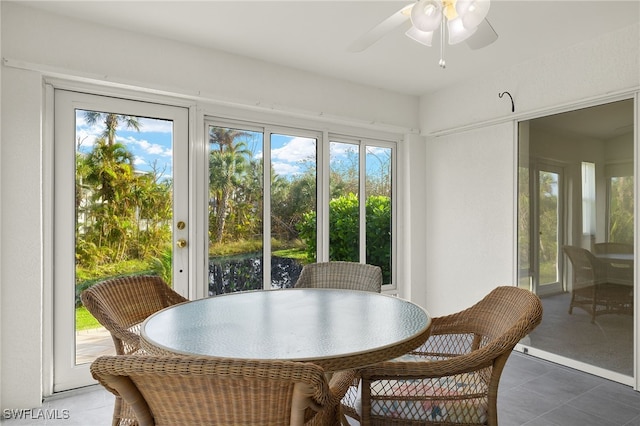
(121, 208)
(577, 188)
(547, 228)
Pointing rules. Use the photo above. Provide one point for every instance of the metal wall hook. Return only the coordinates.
(513, 108)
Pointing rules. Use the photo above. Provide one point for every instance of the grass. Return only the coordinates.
(84, 320)
(292, 249)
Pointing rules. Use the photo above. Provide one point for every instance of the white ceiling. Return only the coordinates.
(314, 35)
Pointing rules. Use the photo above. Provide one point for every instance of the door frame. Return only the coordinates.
(181, 114)
(547, 166)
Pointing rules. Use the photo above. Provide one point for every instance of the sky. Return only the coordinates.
(152, 144)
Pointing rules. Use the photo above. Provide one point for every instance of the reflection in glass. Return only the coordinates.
(548, 219)
(587, 201)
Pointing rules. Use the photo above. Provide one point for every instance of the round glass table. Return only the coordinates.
(336, 329)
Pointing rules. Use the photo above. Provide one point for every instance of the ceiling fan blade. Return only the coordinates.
(380, 30)
(484, 36)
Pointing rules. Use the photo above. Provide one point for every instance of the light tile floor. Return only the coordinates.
(533, 392)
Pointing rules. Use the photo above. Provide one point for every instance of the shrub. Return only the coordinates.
(344, 231)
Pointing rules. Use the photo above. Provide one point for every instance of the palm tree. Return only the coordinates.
(111, 175)
(226, 166)
(111, 122)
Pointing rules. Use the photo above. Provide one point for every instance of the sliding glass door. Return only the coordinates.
(576, 188)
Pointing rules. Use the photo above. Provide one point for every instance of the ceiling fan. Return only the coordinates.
(465, 20)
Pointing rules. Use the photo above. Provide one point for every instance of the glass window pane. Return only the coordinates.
(379, 209)
(124, 211)
(344, 205)
(621, 209)
(293, 207)
(524, 220)
(549, 227)
(235, 210)
(588, 199)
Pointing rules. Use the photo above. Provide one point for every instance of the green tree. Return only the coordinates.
(548, 218)
(112, 209)
(621, 210)
(111, 122)
(227, 164)
(290, 200)
(121, 215)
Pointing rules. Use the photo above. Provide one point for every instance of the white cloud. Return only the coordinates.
(296, 150)
(284, 169)
(338, 148)
(146, 146)
(139, 161)
(155, 125)
(86, 137)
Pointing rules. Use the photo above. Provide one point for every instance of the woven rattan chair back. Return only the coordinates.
(341, 275)
(453, 378)
(587, 270)
(204, 391)
(121, 305)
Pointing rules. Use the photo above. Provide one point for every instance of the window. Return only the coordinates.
(620, 203)
(260, 235)
(588, 199)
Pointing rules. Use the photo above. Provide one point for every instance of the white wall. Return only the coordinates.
(471, 152)
(108, 55)
(0, 205)
(604, 65)
(21, 245)
(469, 216)
(411, 241)
(35, 45)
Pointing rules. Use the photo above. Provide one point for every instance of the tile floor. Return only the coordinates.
(533, 392)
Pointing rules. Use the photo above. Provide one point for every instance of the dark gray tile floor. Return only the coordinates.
(533, 392)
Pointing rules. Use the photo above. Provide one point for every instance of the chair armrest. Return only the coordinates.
(429, 369)
(126, 336)
(124, 387)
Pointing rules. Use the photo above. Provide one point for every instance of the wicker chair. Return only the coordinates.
(344, 275)
(606, 248)
(617, 272)
(591, 289)
(198, 391)
(453, 378)
(121, 305)
(341, 275)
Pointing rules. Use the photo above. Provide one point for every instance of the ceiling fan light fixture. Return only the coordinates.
(472, 12)
(422, 37)
(457, 31)
(426, 15)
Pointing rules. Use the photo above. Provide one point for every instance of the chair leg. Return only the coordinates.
(573, 297)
